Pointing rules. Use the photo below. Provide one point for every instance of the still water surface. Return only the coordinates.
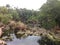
(30, 40)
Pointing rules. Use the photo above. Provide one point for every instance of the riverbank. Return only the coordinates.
(22, 30)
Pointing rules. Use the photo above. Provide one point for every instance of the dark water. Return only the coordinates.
(30, 40)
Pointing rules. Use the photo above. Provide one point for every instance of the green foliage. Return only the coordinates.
(5, 18)
(49, 14)
(47, 17)
(26, 14)
(3, 10)
(33, 18)
(15, 15)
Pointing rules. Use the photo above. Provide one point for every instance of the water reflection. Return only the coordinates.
(30, 40)
(14, 39)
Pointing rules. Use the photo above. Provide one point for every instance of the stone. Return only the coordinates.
(2, 42)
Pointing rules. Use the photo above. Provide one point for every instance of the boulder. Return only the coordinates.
(20, 26)
(2, 42)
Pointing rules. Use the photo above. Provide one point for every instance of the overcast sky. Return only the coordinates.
(29, 4)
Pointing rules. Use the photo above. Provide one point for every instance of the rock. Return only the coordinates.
(49, 39)
(2, 42)
(12, 24)
(21, 33)
(1, 32)
(20, 26)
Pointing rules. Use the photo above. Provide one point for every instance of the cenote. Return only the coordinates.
(29, 40)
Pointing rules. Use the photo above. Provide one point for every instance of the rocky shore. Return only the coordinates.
(21, 31)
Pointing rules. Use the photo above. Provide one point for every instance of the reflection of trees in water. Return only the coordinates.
(8, 35)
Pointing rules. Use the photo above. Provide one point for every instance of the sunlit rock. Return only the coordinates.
(2, 42)
(20, 26)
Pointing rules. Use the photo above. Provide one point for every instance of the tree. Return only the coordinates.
(5, 18)
(8, 6)
(50, 12)
(3, 10)
(25, 14)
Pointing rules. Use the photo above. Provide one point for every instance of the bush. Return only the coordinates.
(5, 18)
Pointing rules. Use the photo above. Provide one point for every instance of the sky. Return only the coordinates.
(29, 4)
